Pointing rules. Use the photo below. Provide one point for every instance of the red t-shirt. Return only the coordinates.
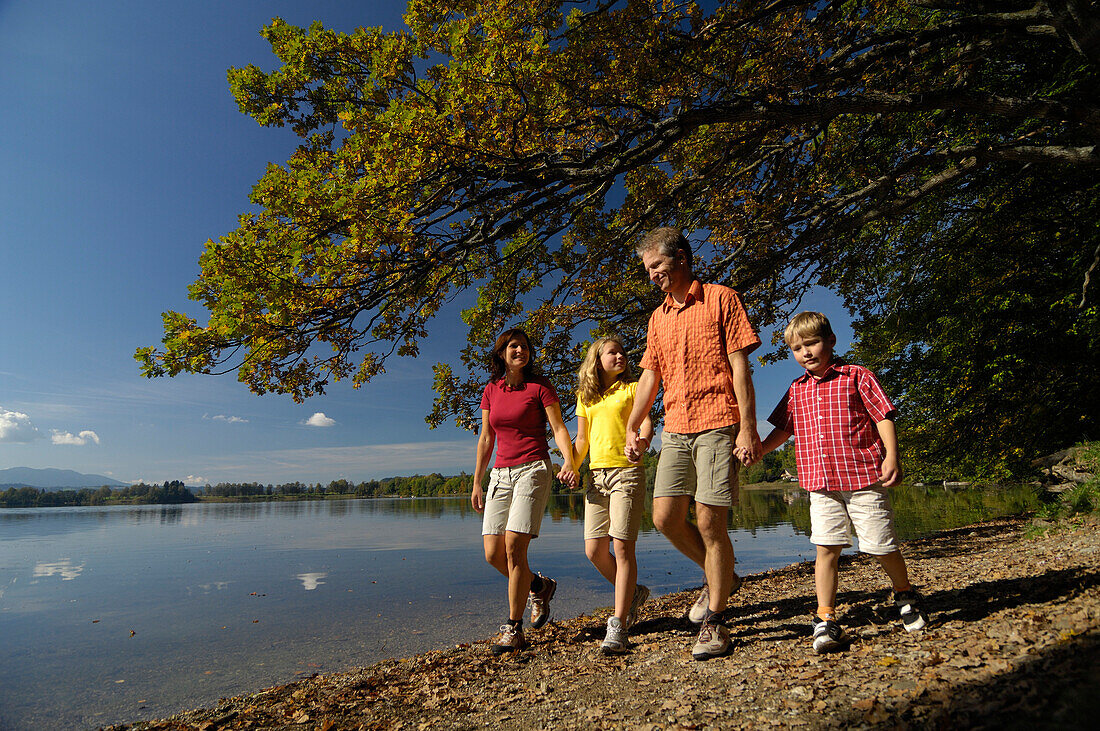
(518, 417)
(837, 446)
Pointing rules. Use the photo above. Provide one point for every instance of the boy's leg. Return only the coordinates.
(826, 579)
(894, 565)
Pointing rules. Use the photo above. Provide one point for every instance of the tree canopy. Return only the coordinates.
(931, 161)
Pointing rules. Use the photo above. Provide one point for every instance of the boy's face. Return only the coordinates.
(813, 353)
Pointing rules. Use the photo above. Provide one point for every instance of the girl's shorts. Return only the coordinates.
(613, 506)
(517, 498)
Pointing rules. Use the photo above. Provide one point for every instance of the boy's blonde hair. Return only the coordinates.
(805, 324)
(588, 375)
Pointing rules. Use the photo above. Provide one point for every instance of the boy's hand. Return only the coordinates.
(743, 455)
(891, 472)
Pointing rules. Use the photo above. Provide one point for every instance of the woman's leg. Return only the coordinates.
(496, 554)
(519, 573)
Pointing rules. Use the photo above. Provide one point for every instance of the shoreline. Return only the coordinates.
(1014, 640)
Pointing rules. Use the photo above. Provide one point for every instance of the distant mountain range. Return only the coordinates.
(52, 479)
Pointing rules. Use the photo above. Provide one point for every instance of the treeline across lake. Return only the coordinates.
(171, 492)
(433, 485)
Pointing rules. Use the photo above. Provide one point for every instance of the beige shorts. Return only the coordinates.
(613, 506)
(701, 465)
(517, 498)
(834, 513)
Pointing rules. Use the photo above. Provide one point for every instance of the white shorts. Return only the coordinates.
(834, 513)
(517, 498)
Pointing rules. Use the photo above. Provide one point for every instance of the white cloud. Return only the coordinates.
(194, 480)
(16, 427)
(76, 440)
(319, 419)
(226, 419)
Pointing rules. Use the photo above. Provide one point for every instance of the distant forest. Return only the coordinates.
(174, 492)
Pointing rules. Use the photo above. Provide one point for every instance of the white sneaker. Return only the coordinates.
(614, 642)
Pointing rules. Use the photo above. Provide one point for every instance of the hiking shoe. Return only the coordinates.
(828, 636)
(908, 604)
(697, 612)
(511, 640)
(614, 642)
(540, 602)
(641, 593)
(714, 641)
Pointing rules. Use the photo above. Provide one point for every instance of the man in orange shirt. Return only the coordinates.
(698, 344)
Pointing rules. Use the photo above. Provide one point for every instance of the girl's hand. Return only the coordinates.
(569, 478)
(636, 446)
(477, 498)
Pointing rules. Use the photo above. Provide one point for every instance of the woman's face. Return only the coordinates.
(612, 358)
(516, 353)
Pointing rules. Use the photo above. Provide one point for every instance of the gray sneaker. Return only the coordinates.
(614, 642)
(641, 593)
(697, 612)
(714, 641)
(540, 602)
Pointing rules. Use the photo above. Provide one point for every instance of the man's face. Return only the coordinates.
(667, 272)
(813, 352)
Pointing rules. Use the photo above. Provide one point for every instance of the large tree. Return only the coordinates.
(517, 150)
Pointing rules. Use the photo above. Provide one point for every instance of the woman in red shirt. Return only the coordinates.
(516, 406)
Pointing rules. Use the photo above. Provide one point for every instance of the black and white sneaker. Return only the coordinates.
(828, 636)
(908, 604)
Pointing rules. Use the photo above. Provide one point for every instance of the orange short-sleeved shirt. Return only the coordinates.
(689, 345)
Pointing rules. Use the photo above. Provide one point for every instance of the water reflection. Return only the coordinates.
(312, 579)
(64, 568)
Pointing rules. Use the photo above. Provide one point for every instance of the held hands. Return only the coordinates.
(636, 446)
(747, 447)
(569, 477)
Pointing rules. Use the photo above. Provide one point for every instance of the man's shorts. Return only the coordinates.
(700, 465)
(517, 498)
(613, 506)
(833, 514)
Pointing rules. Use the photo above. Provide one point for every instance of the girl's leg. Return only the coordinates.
(626, 577)
(598, 551)
(496, 553)
(519, 573)
(826, 577)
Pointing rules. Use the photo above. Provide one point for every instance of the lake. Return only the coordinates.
(112, 614)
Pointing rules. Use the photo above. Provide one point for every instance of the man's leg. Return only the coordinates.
(670, 516)
(718, 556)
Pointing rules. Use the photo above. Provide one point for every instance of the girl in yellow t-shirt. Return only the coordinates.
(613, 505)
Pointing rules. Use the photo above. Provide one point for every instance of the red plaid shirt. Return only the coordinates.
(837, 446)
(689, 345)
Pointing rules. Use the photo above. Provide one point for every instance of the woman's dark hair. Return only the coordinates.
(498, 369)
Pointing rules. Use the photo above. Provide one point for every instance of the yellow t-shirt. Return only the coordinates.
(607, 425)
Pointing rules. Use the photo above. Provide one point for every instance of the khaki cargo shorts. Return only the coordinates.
(517, 498)
(699, 465)
(613, 506)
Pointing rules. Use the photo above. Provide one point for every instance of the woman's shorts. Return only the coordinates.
(613, 506)
(699, 465)
(517, 498)
(833, 514)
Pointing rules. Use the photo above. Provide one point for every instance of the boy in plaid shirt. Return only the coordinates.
(846, 449)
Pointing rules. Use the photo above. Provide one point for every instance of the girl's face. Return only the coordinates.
(612, 358)
(516, 353)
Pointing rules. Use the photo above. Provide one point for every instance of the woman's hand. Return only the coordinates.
(477, 497)
(569, 478)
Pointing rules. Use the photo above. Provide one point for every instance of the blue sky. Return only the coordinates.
(122, 151)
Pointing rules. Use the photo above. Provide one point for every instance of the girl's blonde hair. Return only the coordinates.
(588, 376)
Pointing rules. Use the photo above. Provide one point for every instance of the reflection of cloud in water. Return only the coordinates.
(63, 568)
(215, 586)
(312, 580)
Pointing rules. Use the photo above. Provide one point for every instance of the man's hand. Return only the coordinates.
(747, 446)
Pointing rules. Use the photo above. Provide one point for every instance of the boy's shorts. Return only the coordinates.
(833, 514)
(517, 498)
(700, 465)
(613, 506)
